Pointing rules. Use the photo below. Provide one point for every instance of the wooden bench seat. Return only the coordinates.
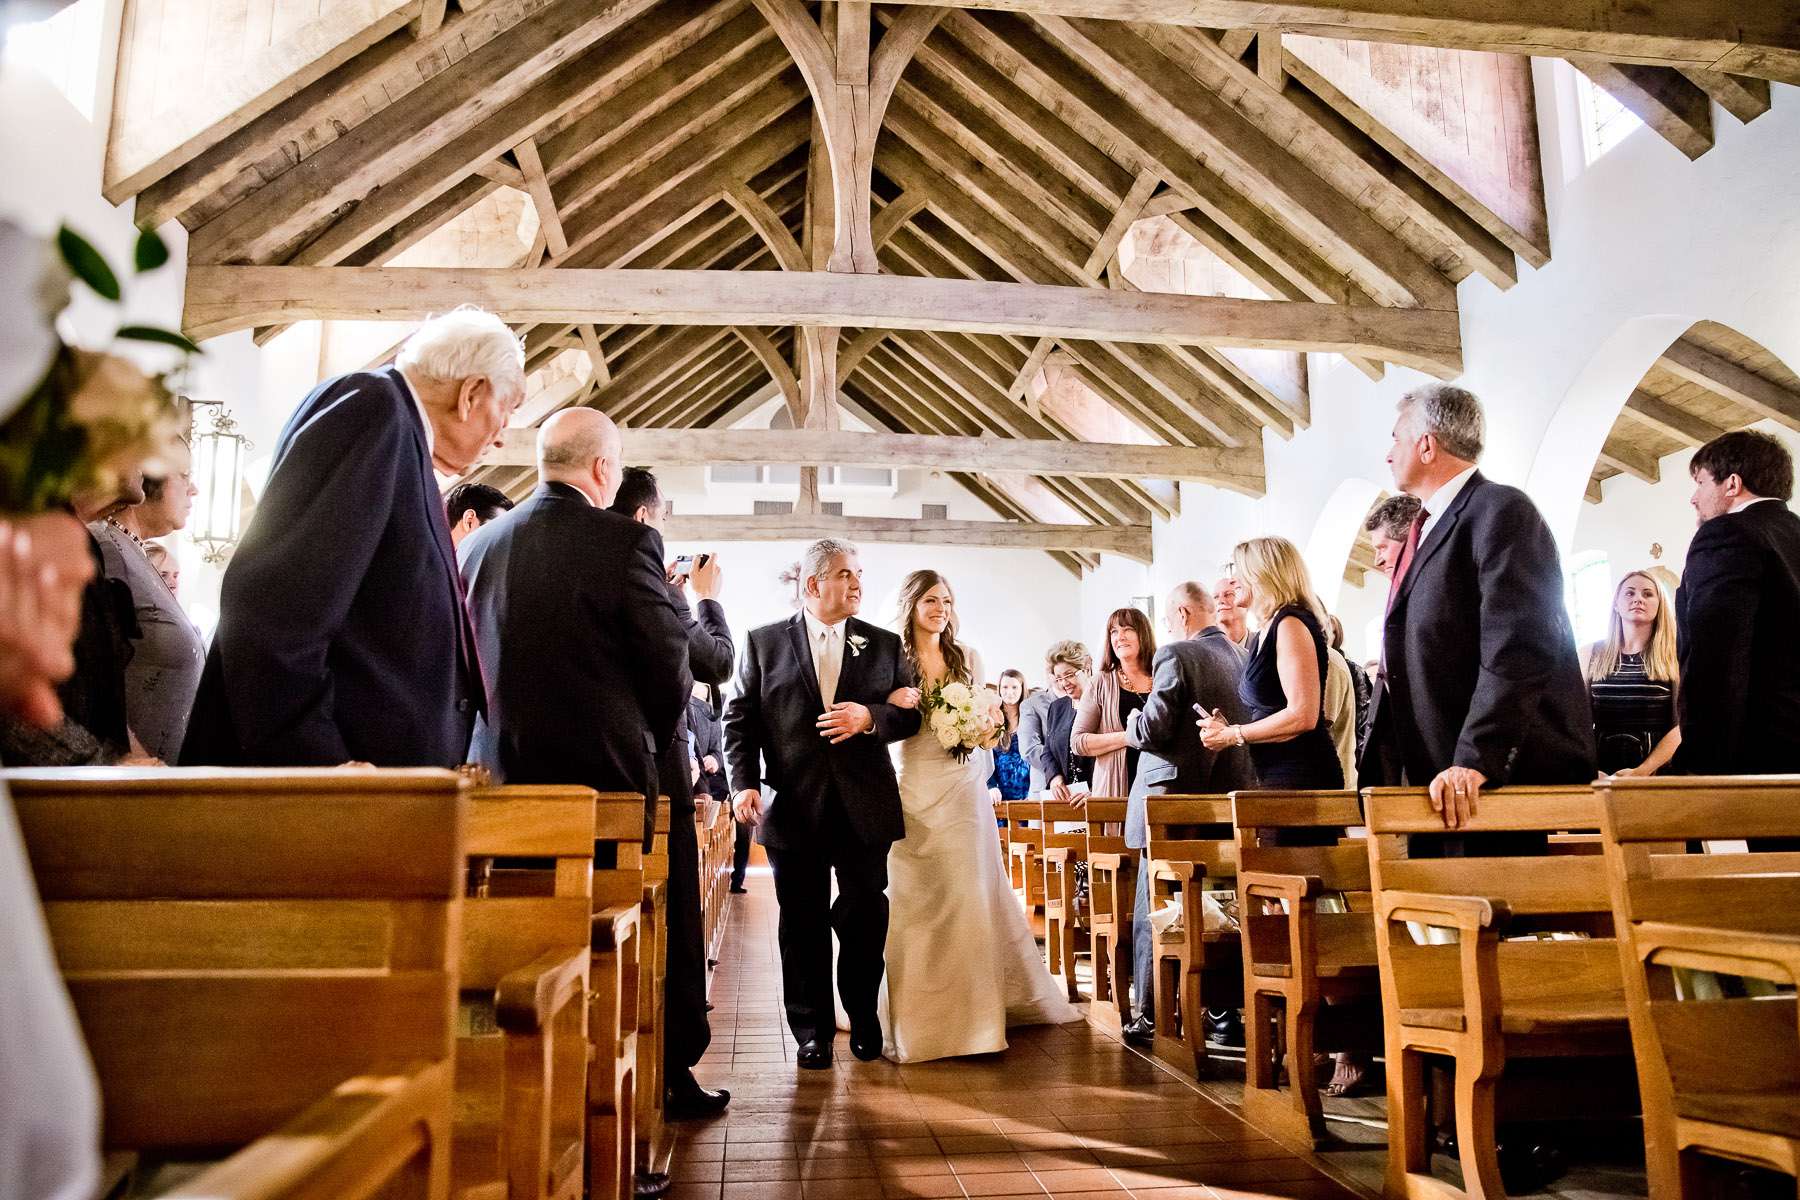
(261, 960)
(1112, 894)
(1065, 922)
(1515, 963)
(1025, 853)
(1302, 962)
(1720, 1076)
(652, 1144)
(620, 967)
(1191, 850)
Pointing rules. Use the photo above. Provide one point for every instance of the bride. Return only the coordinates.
(961, 962)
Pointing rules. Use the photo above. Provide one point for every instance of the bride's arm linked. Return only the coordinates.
(897, 722)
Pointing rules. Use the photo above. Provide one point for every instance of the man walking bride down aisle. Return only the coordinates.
(818, 697)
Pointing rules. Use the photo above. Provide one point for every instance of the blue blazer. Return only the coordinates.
(342, 633)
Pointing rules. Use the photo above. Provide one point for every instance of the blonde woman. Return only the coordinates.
(1284, 681)
(1632, 680)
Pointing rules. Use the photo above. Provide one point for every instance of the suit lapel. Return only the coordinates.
(851, 669)
(803, 648)
(439, 521)
(1440, 534)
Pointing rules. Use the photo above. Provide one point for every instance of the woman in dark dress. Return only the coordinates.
(1632, 678)
(1284, 681)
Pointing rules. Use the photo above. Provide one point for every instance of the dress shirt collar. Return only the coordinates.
(1443, 498)
(814, 627)
(424, 417)
(1741, 505)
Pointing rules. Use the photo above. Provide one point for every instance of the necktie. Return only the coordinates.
(828, 666)
(1406, 556)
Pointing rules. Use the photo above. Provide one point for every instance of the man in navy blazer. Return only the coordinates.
(1740, 592)
(1480, 683)
(342, 634)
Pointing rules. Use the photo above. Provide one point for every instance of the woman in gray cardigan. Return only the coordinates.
(164, 672)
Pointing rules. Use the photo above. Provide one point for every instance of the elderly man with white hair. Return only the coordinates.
(342, 633)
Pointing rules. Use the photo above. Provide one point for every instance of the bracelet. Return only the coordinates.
(1238, 733)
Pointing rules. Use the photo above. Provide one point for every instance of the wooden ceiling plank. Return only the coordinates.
(677, 406)
(768, 226)
(1115, 383)
(1629, 460)
(1127, 541)
(138, 152)
(590, 341)
(463, 115)
(429, 17)
(1670, 420)
(1696, 364)
(1751, 37)
(1234, 145)
(1216, 416)
(1660, 97)
(1124, 217)
(896, 214)
(675, 373)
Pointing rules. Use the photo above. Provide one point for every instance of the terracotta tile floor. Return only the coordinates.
(1066, 1112)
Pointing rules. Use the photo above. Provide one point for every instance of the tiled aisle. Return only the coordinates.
(1064, 1112)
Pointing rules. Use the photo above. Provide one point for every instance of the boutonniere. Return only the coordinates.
(856, 642)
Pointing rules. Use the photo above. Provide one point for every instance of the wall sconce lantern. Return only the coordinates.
(219, 452)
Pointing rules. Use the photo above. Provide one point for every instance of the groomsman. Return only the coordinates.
(1480, 683)
(342, 634)
(1198, 669)
(708, 660)
(1740, 592)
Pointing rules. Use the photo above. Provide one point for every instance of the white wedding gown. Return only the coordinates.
(961, 962)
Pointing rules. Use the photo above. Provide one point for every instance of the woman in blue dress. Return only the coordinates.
(1011, 777)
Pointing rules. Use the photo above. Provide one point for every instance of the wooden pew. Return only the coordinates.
(1025, 850)
(1191, 846)
(620, 966)
(522, 1051)
(1112, 894)
(1491, 1004)
(652, 1146)
(264, 960)
(1065, 927)
(1311, 977)
(1706, 1094)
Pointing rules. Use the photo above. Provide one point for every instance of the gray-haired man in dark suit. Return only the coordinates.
(1201, 667)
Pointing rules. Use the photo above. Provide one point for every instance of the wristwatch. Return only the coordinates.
(1239, 731)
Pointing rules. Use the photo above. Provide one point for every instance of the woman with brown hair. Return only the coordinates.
(962, 964)
(1117, 692)
(1632, 680)
(1011, 779)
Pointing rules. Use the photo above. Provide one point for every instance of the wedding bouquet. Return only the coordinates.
(73, 419)
(964, 719)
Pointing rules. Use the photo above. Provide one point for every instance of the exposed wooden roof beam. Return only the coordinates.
(1127, 541)
(1661, 98)
(1629, 460)
(1741, 96)
(221, 299)
(1668, 420)
(1696, 364)
(531, 165)
(1751, 37)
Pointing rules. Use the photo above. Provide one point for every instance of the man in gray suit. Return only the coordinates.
(1199, 666)
(1031, 730)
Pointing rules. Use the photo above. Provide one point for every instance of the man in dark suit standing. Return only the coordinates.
(1480, 683)
(342, 632)
(1740, 593)
(811, 722)
(1199, 668)
(687, 1032)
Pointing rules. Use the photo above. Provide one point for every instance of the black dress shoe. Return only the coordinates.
(738, 889)
(691, 1102)
(814, 1054)
(1224, 1027)
(650, 1184)
(1139, 1031)
(1527, 1166)
(866, 1045)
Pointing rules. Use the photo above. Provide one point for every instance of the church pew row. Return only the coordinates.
(1501, 961)
(1065, 833)
(1112, 894)
(262, 961)
(1719, 1071)
(1311, 972)
(653, 1144)
(621, 964)
(1025, 852)
(1191, 850)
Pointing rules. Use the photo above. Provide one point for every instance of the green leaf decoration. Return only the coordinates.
(151, 252)
(87, 264)
(166, 337)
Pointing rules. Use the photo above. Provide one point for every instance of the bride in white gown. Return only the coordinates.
(961, 961)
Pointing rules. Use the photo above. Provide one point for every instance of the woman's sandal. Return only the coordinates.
(1350, 1078)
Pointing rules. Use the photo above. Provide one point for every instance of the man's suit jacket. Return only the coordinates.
(1739, 628)
(708, 660)
(1481, 664)
(772, 738)
(342, 633)
(1031, 735)
(1205, 670)
(586, 654)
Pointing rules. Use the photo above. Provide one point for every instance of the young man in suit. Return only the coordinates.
(1480, 683)
(342, 632)
(810, 722)
(1736, 613)
(1199, 667)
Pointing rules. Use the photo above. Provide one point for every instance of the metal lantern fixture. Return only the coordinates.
(219, 452)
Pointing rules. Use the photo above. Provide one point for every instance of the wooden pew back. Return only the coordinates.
(1730, 913)
(1064, 827)
(622, 971)
(238, 944)
(1112, 883)
(1190, 850)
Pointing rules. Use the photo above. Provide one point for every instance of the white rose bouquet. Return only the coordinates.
(964, 719)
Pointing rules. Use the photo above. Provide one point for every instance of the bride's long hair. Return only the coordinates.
(956, 659)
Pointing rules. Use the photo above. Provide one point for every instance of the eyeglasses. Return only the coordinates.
(1066, 676)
